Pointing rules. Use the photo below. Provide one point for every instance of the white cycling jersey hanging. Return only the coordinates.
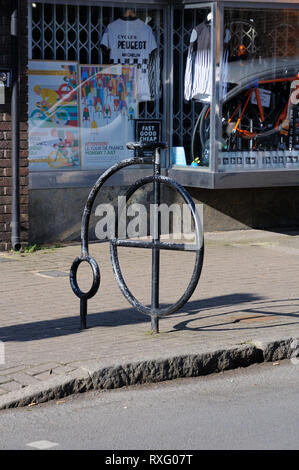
(131, 42)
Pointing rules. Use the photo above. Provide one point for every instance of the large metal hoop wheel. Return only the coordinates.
(156, 245)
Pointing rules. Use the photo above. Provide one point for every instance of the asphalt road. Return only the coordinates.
(252, 408)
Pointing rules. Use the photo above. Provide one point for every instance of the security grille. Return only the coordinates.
(60, 31)
(73, 32)
(185, 114)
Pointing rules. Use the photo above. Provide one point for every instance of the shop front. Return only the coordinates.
(241, 77)
(217, 81)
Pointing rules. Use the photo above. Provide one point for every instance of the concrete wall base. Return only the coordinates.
(55, 214)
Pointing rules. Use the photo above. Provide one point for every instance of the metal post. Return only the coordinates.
(156, 250)
(83, 313)
(15, 131)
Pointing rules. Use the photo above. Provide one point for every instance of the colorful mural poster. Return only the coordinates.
(108, 108)
(53, 115)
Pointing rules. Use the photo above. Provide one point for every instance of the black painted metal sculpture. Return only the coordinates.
(155, 244)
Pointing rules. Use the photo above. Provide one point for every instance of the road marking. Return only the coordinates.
(42, 445)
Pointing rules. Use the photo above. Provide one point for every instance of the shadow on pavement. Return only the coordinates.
(71, 325)
(262, 311)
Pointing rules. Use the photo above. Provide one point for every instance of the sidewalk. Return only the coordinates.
(244, 310)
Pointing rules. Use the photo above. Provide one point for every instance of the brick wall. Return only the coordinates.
(5, 130)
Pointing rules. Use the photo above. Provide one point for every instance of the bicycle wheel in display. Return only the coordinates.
(201, 137)
(244, 119)
(258, 114)
(197, 247)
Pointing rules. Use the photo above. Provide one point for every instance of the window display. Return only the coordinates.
(83, 106)
(259, 112)
(241, 90)
(108, 109)
(226, 94)
(53, 115)
(258, 92)
(131, 41)
(198, 78)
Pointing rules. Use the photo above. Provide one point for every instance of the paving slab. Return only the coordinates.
(245, 309)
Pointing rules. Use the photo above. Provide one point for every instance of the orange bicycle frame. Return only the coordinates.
(281, 119)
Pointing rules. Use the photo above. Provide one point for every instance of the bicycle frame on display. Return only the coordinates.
(232, 126)
(277, 125)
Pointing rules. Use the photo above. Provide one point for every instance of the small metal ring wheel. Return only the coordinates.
(96, 277)
(84, 296)
(198, 247)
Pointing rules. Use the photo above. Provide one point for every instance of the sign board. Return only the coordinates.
(108, 107)
(80, 116)
(148, 130)
(53, 118)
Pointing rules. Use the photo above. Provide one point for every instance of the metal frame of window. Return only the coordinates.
(184, 114)
(212, 178)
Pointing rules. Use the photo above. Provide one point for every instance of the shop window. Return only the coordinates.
(260, 108)
(192, 79)
(93, 71)
(250, 119)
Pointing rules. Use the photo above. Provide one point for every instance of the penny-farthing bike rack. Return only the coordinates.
(155, 244)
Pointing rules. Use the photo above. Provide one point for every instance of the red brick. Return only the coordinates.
(5, 235)
(24, 190)
(4, 116)
(5, 200)
(5, 126)
(3, 209)
(4, 218)
(5, 181)
(23, 144)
